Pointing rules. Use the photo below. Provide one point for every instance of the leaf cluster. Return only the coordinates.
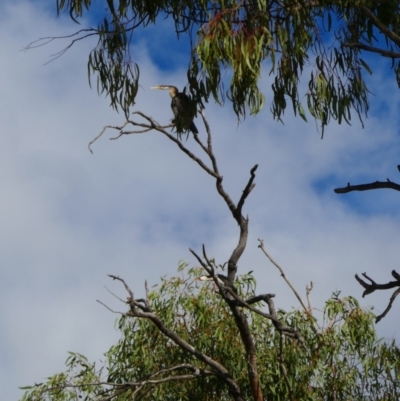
(323, 38)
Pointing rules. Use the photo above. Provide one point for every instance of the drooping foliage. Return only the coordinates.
(341, 360)
(321, 40)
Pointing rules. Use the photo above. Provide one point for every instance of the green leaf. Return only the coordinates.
(366, 66)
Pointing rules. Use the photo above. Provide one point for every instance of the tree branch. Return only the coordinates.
(382, 27)
(236, 210)
(367, 187)
(136, 310)
(392, 298)
(382, 52)
(44, 41)
(228, 292)
(116, 389)
(281, 327)
(261, 246)
(373, 286)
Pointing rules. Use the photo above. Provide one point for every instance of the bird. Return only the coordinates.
(181, 108)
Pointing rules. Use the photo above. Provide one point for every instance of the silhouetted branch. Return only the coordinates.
(373, 286)
(392, 298)
(382, 52)
(367, 187)
(381, 26)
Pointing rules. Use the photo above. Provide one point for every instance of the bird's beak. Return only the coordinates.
(161, 87)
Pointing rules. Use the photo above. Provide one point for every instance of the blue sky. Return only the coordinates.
(68, 218)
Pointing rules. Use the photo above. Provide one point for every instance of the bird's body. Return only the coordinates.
(181, 108)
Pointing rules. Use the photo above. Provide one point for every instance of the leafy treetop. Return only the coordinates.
(342, 360)
(322, 38)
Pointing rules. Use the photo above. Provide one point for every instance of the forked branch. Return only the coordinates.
(373, 286)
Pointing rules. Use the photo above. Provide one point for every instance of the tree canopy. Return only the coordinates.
(213, 336)
(339, 360)
(321, 41)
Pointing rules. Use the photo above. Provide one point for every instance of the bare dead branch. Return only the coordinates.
(224, 285)
(392, 298)
(145, 307)
(370, 288)
(114, 295)
(249, 187)
(228, 291)
(203, 265)
(373, 286)
(242, 221)
(142, 131)
(101, 303)
(104, 130)
(367, 187)
(125, 285)
(261, 246)
(209, 141)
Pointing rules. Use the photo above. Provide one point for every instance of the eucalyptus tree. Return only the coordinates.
(182, 343)
(217, 338)
(320, 41)
(206, 334)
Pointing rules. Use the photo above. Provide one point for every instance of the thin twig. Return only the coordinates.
(261, 246)
(107, 307)
(104, 130)
(114, 295)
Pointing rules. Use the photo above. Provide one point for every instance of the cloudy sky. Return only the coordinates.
(135, 206)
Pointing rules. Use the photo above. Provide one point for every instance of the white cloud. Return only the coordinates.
(134, 207)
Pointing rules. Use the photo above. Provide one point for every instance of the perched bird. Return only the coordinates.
(180, 107)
